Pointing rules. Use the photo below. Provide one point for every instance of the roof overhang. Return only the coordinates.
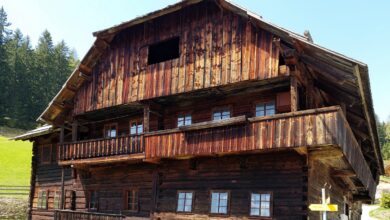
(46, 129)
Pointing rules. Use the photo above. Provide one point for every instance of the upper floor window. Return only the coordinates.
(46, 156)
(219, 202)
(221, 114)
(265, 108)
(163, 51)
(184, 201)
(132, 200)
(42, 199)
(136, 127)
(261, 204)
(110, 130)
(93, 200)
(184, 119)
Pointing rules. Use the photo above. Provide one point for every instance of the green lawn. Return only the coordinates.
(15, 162)
(380, 213)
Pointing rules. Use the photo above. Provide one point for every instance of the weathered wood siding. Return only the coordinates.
(282, 174)
(47, 178)
(217, 47)
(320, 127)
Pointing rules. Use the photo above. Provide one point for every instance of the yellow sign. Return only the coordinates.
(323, 207)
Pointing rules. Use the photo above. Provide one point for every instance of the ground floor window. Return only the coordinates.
(42, 199)
(57, 199)
(219, 202)
(260, 204)
(132, 200)
(184, 201)
(93, 201)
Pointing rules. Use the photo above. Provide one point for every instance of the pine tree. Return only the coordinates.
(4, 69)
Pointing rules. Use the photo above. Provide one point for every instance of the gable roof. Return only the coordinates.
(354, 71)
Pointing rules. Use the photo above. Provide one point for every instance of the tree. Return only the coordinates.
(29, 78)
(4, 69)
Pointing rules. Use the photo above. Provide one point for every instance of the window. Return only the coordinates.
(110, 130)
(221, 114)
(93, 201)
(132, 200)
(163, 51)
(263, 109)
(185, 119)
(42, 199)
(57, 199)
(184, 201)
(46, 154)
(219, 202)
(136, 127)
(260, 204)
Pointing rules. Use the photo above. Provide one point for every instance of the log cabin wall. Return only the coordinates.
(111, 183)
(216, 48)
(284, 174)
(48, 176)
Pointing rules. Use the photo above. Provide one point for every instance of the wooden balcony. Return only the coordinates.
(101, 150)
(317, 129)
(68, 214)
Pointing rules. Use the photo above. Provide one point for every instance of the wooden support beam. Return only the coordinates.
(85, 77)
(343, 173)
(74, 130)
(368, 118)
(146, 118)
(294, 94)
(85, 69)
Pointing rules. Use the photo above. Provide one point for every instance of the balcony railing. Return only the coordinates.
(68, 214)
(96, 148)
(309, 128)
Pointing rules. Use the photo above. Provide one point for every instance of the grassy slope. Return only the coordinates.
(15, 162)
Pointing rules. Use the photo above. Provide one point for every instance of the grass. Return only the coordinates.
(15, 162)
(380, 213)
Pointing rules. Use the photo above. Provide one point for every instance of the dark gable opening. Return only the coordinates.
(163, 51)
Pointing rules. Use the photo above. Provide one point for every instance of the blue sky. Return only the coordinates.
(359, 29)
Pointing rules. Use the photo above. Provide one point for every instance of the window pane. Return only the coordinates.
(255, 211)
(265, 212)
(182, 195)
(223, 210)
(188, 120)
(187, 208)
(223, 196)
(189, 196)
(265, 197)
(216, 115)
(113, 133)
(140, 129)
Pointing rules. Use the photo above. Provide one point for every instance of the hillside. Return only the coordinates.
(15, 162)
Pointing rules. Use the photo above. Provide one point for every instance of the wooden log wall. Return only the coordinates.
(217, 47)
(47, 178)
(282, 174)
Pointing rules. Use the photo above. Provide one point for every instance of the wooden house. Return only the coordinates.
(204, 110)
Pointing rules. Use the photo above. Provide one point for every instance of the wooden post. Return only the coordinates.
(62, 135)
(146, 117)
(294, 94)
(155, 185)
(74, 130)
(62, 188)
